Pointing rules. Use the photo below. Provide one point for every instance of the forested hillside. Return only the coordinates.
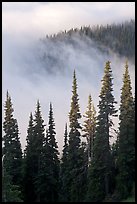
(119, 38)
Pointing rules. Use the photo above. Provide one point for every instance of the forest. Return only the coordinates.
(119, 38)
(91, 171)
(89, 168)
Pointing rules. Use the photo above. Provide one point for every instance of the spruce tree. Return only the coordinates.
(89, 127)
(12, 153)
(126, 139)
(75, 153)
(65, 147)
(74, 116)
(100, 170)
(33, 155)
(49, 187)
(10, 192)
(64, 169)
(28, 166)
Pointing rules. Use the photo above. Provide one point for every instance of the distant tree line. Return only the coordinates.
(91, 171)
(120, 38)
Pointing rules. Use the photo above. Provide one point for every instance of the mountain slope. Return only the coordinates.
(73, 47)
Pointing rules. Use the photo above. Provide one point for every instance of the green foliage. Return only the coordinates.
(49, 169)
(33, 155)
(12, 153)
(90, 171)
(10, 192)
(75, 161)
(64, 169)
(120, 38)
(126, 139)
(89, 127)
(100, 182)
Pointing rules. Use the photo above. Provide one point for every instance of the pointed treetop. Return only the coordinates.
(66, 126)
(38, 103)
(50, 106)
(107, 67)
(126, 64)
(126, 69)
(38, 106)
(74, 74)
(126, 76)
(89, 99)
(8, 97)
(7, 94)
(31, 116)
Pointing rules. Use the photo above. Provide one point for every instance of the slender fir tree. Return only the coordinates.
(49, 190)
(126, 139)
(100, 172)
(33, 155)
(65, 147)
(89, 128)
(12, 153)
(64, 169)
(28, 166)
(75, 152)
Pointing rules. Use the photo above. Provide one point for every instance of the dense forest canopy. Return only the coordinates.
(117, 38)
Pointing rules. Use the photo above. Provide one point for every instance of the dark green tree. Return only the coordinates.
(64, 169)
(12, 153)
(28, 162)
(75, 151)
(33, 155)
(10, 192)
(49, 172)
(89, 127)
(65, 147)
(100, 170)
(126, 139)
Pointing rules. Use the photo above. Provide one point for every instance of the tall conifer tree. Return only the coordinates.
(33, 155)
(89, 127)
(126, 139)
(64, 169)
(100, 173)
(50, 165)
(28, 162)
(12, 153)
(75, 152)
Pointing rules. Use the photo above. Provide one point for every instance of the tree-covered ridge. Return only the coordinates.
(120, 38)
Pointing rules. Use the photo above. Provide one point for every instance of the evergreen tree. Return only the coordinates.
(65, 147)
(12, 153)
(89, 127)
(28, 162)
(49, 172)
(75, 153)
(64, 169)
(100, 170)
(33, 155)
(10, 192)
(126, 139)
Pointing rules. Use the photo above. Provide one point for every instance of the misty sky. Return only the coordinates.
(23, 24)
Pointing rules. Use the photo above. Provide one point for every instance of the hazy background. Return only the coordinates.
(28, 79)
